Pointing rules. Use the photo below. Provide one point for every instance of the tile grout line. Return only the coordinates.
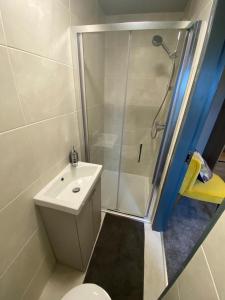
(211, 275)
(38, 122)
(3, 29)
(18, 253)
(13, 73)
(35, 273)
(32, 279)
(36, 55)
(27, 188)
(16, 87)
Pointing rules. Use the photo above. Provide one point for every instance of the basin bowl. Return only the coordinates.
(70, 189)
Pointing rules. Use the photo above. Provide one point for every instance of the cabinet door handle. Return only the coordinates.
(140, 152)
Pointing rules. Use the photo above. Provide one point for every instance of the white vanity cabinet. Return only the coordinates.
(73, 236)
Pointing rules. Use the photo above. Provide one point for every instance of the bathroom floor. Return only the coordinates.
(155, 279)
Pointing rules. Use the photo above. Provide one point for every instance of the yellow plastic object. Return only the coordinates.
(210, 191)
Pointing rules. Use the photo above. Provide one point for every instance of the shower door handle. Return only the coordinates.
(140, 152)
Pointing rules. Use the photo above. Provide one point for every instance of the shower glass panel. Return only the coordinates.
(126, 76)
(105, 74)
(149, 73)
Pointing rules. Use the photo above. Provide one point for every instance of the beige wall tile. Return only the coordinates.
(38, 283)
(214, 247)
(28, 24)
(195, 282)
(35, 153)
(129, 159)
(86, 11)
(95, 120)
(60, 48)
(66, 3)
(138, 117)
(52, 140)
(195, 7)
(2, 35)
(10, 111)
(17, 222)
(18, 167)
(20, 273)
(45, 87)
(176, 16)
(37, 26)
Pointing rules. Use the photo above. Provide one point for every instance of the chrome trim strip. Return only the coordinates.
(123, 115)
(80, 53)
(175, 106)
(133, 26)
(116, 213)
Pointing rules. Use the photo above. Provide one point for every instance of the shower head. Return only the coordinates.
(157, 41)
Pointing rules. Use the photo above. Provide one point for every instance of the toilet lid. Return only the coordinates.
(87, 291)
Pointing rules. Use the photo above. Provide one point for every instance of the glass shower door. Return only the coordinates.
(147, 81)
(105, 72)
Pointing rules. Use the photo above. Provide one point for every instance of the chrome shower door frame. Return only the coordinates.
(79, 76)
(174, 110)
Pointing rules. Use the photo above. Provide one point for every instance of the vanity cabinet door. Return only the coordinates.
(62, 233)
(96, 208)
(85, 232)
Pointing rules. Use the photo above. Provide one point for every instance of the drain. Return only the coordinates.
(76, 190)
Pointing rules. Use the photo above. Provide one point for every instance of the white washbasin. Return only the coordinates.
(58, 193)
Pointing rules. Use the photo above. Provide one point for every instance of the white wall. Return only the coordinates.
(203, 278)
(38, 125)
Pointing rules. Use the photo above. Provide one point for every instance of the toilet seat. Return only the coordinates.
(87, 291)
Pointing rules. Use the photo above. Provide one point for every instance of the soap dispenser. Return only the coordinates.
(73, 157)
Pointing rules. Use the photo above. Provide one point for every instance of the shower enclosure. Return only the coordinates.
(131, 79)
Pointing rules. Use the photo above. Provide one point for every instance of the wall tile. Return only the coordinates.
(2, 35)
(45, 87)
(138, 117)
(52, 140)
(214, 247)
(195, 282)
(28, 24)
(86, 11)
(18, 276)
(37, 26)
(66, 3)
(60, 48)
(18, 167)
(10, 111)
(144, 17)
(146, 90)
(195, 7)
(39, 281)
(46, 90)
(17, 222)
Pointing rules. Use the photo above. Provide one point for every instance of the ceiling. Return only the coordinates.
(118, 7)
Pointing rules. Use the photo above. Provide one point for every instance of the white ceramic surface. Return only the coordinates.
(58, 193)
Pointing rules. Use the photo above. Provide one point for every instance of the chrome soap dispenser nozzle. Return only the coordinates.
(73, 157)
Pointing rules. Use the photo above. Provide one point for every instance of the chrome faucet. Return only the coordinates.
(73, 157)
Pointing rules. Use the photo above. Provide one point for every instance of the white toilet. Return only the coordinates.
(86, 291)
